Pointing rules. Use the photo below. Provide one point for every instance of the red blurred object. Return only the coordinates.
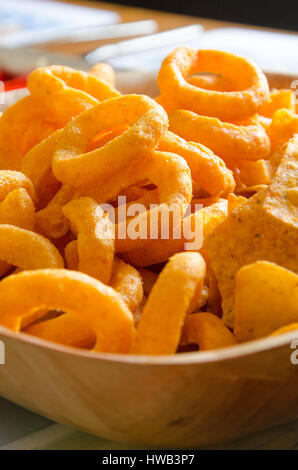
(13, 83)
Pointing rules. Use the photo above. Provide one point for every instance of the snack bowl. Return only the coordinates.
(186, 400)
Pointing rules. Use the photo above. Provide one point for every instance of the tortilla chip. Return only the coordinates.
(266, 299)
(264, 228)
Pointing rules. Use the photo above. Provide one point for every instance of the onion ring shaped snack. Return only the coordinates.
(18, 209)
(199, 224)
(51, 221)
(23, 295)
(251, 84)
(22, 126)
(37, 165)
(27, 250)
(171, 174)
(206, 168)
(147, 121)
(211, 82)
(10, 180)
(95, 237)
(71, 255)
(65, 92)
(161, 322)
(227, 140)
(103, 72)
(127, 281)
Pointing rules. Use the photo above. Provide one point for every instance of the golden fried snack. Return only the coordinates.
(228, 141)
(285, 329)
(207, 331)
(16, 206)
(71, 255)
(210, 81)
(10, 180)
(104, 72)
(283, 126)
(250, 92)
(206, 168)
(37, 165)
(51, 221)
(256, 172)
(147, 121)
(197, 226)
(95, 237)
(266, 298)
(18, 209)
(171, 174)
(27, 250)
(23, 297)
(282, 98)
(65, 92)
(264, 228)
(128, 283)
(22, 126)
(65, 329)
(160, 325)
(149, 278)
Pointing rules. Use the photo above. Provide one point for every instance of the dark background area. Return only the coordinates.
(271, 13)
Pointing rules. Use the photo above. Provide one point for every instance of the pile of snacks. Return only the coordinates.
(133, 225)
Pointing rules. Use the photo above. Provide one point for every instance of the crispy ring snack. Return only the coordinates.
(10, 180)
(95, 237)
(278, 99)
(65, 92)
(207, 331)
(71, 255)
(23, 297)
(211, 82)
(147, 121)
(201, 224)
(128, 283)
(65, 329)
(51, 221)
(170, 173)
(37, 165)
(206, 168)
(104, 72)
(22, 126)
(251, 87)
(161, 322)
(18, 209)
(229, 141)
(27, 250)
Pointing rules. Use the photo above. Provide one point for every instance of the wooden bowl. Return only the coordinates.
(188, 400)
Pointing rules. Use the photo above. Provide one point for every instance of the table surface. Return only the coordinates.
(21, 429)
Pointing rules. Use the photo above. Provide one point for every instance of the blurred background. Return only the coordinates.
(34, 32)
(269, 13)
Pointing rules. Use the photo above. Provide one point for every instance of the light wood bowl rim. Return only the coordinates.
(199, 357)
